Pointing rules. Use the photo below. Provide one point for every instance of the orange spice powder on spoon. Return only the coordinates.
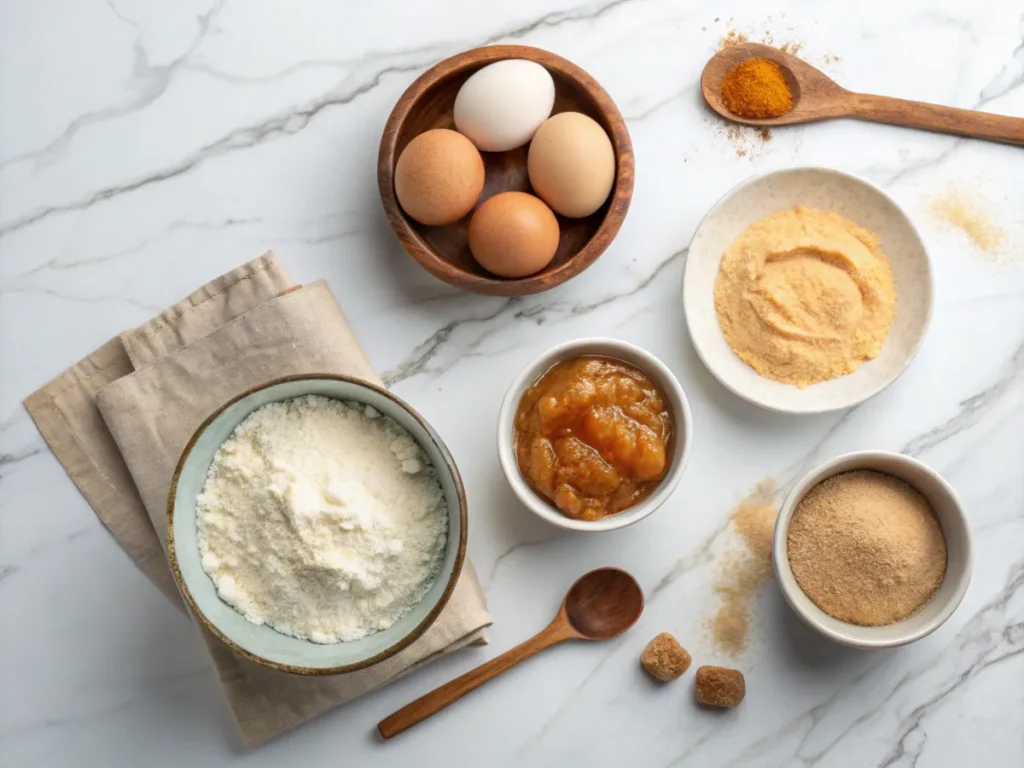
(756, 88)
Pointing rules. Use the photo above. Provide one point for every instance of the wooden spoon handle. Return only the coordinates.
(933, 117)
(439, 698)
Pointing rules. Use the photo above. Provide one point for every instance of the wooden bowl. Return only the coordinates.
(444, 251)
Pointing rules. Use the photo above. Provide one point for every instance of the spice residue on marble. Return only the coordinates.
(966, 212)
(780, 41)
(744, 569)
(746, 141)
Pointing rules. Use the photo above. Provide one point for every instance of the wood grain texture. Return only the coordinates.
(817, 97)
(444, 251)
(449, 693)
(601, 605)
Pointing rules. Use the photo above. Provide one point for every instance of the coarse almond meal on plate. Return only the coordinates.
(859, 368)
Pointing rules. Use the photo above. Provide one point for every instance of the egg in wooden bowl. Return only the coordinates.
(508, 252)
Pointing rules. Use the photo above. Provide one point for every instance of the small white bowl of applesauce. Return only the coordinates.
(594, 434)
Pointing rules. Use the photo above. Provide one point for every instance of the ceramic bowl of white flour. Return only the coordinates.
(316, 525)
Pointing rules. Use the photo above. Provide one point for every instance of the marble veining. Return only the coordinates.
(148, 147)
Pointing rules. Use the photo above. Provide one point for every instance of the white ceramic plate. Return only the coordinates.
(851, 197)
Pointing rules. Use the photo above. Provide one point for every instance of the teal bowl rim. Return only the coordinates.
(405, 642)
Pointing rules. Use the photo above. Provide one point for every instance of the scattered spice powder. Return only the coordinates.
(745, 140)
(957, 209)
(734, 37)
(739, 138)
(756, 88)
(743, 572)
(794, 47)
(866, 548)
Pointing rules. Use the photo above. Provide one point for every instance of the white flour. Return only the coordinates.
(321, 518)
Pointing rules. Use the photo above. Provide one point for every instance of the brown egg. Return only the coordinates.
(572, 164)
(513, 234)
(439, 177)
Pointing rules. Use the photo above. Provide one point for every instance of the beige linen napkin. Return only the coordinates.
(119, 420)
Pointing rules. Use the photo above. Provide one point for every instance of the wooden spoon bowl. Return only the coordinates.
(444, 251)
(816, 96)
(602, 604)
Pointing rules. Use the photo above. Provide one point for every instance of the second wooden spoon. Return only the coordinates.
(601, 605)
(816, 96)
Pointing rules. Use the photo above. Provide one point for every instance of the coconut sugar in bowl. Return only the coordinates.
(913, 546)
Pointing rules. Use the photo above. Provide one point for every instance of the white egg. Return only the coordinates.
(501, 106)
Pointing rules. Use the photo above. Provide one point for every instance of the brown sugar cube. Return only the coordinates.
(720, 687)
(664, 658)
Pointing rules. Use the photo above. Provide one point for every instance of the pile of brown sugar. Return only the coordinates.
(866, 548)
(735, 37)
(664, 658)
(720, 686)
(743, 573)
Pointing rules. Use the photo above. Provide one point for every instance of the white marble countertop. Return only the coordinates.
(147, 147)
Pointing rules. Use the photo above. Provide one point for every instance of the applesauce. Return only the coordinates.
(593, 436)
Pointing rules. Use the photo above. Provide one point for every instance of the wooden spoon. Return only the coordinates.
(816, 96)
(601, 605)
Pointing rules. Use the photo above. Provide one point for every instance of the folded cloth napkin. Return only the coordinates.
(119, 420)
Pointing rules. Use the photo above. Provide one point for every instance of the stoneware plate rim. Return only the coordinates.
(958, 541)
(196, 586)
(607, 347)
(709, 342)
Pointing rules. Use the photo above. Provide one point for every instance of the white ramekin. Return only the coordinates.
(951, 516)
(621, 350)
